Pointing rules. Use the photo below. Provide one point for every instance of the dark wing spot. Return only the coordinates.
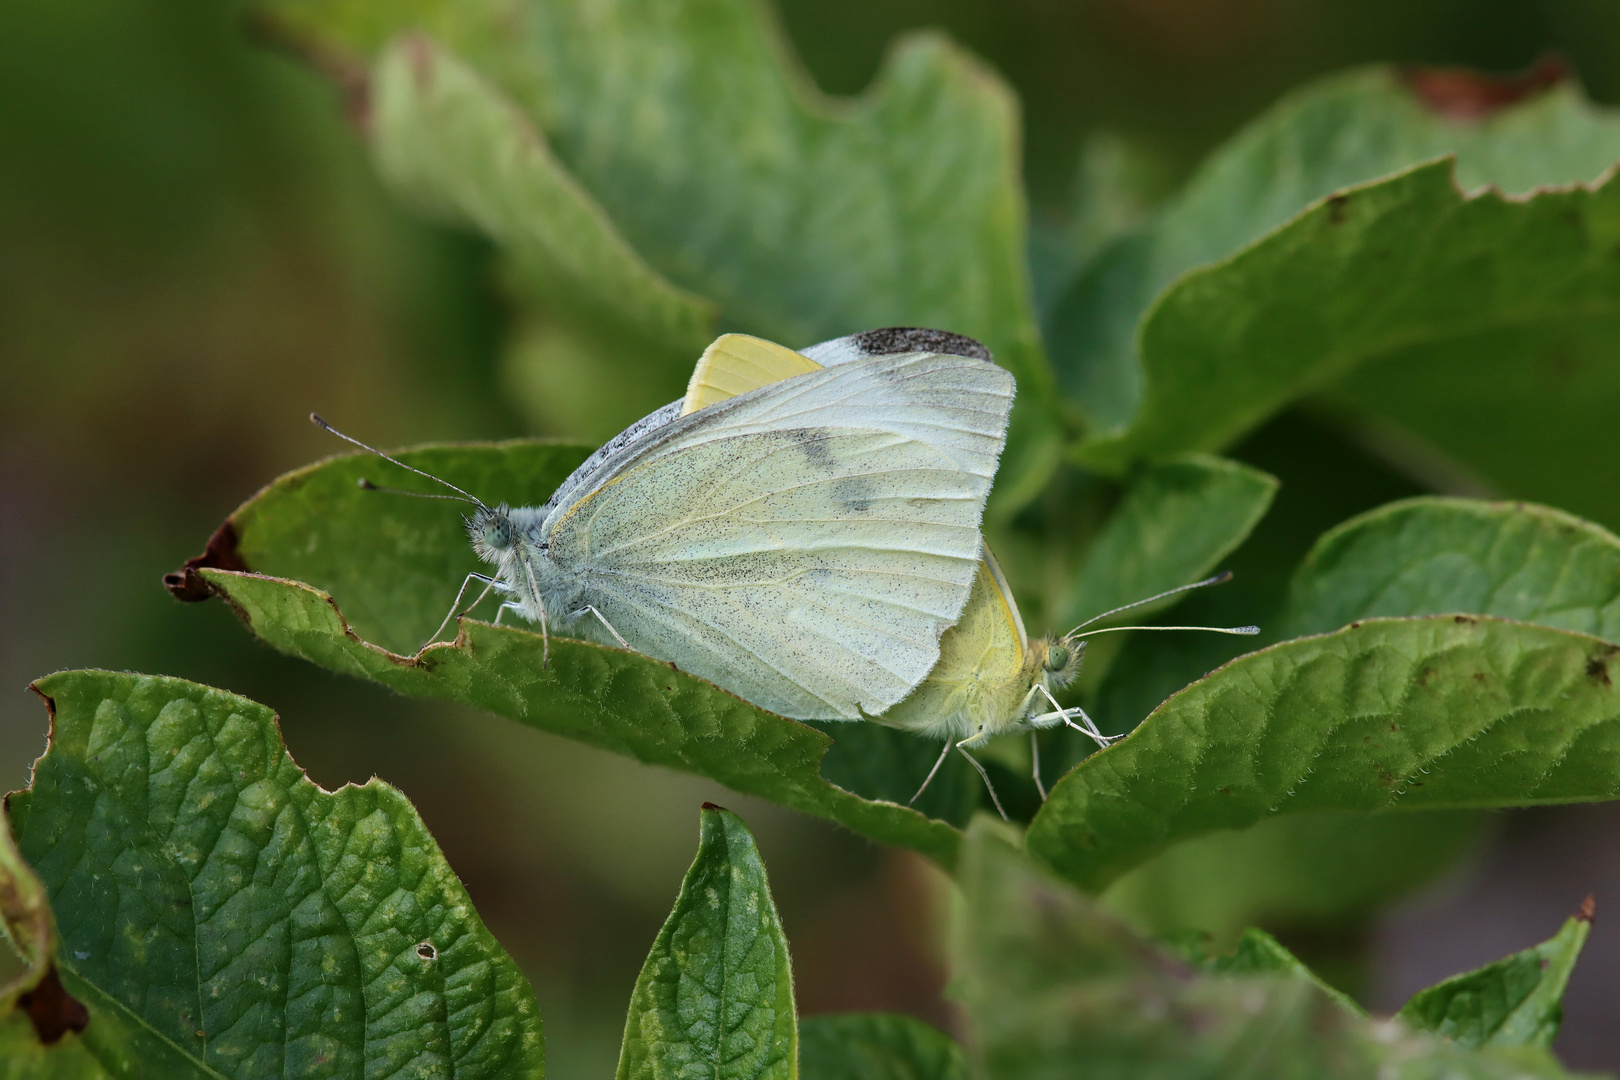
(891, 340)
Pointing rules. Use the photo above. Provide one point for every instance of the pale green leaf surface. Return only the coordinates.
(1056, 987)
(876, 1046)
(1370, 270)
(1176, 522)
(1431, 556)
(397, 562)
(239, 920)
(456, 145)
(1345, 131)
(803, 218)
(715, 997)
(1515, 1001)
(1430, 713)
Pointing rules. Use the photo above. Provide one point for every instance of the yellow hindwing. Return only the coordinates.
(738, 363)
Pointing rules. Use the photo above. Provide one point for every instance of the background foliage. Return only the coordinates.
(196, 251)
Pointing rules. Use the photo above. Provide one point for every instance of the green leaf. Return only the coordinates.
(1055, 986)
(46, 1030)
(715, 997)
(456, 145)
(1297, 870)
(239, 919)
(398, 562)
(876, 1046)
(1516, 1001)
(1504, 409)
(801, 217)
(1258, 953)
(1177, 521)
(1115, 339)
(1430, 556)
(1362, 273)
(1417, 557)
(1411, 714)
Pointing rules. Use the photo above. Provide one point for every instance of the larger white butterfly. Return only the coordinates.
(803, 545)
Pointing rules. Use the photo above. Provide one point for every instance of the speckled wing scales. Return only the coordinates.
(804, 544)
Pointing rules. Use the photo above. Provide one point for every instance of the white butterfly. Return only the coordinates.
(803, 545)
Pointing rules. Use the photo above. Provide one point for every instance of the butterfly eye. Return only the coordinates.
(1058, 658)
(498, 533)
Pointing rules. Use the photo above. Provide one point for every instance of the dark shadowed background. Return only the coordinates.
(194, 254)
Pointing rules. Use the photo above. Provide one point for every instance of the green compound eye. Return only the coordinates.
(1058, 658)
(498, 533)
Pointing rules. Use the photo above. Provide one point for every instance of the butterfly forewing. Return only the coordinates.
(808, 545)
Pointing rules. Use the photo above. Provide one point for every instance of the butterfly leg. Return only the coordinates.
(988, 786)
(930, 778)
(1089, 728)
(1035, 758)
(489, 583)
(623, 644)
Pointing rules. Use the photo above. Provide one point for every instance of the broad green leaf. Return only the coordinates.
(715, 998)
(397, 562)
(46, 1031)
(1418, 557)
(1516, 1001)
(876, 1046)
(1394, 714)
(802, 218)
(456, 145)
(1364, 272)
(1510, 409)
(1109, 334)
(1431, 556)
(213, 900)
(1297, 870)
(1055, 986)
(1176, 521)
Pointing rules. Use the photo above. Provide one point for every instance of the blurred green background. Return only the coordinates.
(194, 253)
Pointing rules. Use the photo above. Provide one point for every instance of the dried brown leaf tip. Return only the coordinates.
(220, 554)
(53, 1011)
(1464, 94)
(1588, 909)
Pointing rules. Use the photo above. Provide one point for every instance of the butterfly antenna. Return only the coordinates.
(1241, 631)
(367, 485)
(324, 426)
(1219, 579)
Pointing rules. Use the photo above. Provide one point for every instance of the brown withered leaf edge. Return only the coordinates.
(1463, 94)
(220, 554)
